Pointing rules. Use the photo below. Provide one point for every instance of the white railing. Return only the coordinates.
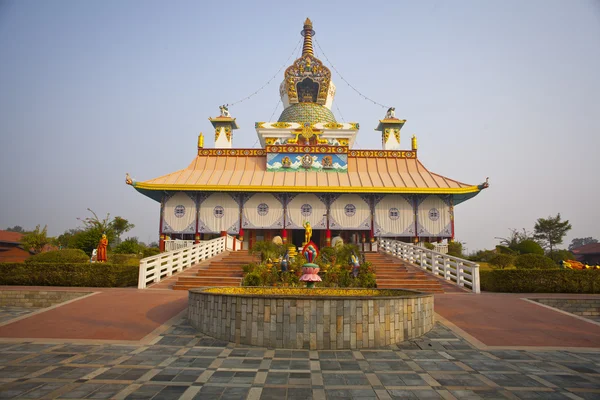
(440, 248)
(155, 268)
(177, 244)
(457, 270)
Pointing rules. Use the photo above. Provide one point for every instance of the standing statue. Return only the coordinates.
(284, 262)
(355, 264)
(307, 232)
(391, 113)
(102, 246)
(224, 111)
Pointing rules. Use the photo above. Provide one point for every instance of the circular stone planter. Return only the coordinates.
(304, 321)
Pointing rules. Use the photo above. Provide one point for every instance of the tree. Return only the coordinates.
(16, 228)
(515, 238)
(529, 247)
(502, 260)
(36, 240)
(551, 231)
(113, 228)
(578, 242)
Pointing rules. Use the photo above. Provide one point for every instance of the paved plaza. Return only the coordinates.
(180, 363)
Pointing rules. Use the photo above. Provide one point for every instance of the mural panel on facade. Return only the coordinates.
(307, 162)
(306, 207)
(262, 211)
(394, 216)
(219, 212)
(179, 213)
(350, 211)
(433, 216)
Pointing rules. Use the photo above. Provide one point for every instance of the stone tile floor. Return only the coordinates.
(8, 313)
(182, 364)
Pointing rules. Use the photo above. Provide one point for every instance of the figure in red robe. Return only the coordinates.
(101, 256)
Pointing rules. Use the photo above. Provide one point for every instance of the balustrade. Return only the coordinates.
(461, 272)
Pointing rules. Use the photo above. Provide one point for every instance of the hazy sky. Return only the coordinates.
(509, 89)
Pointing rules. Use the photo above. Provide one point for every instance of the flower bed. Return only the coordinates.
(311, 318)
(320, 292)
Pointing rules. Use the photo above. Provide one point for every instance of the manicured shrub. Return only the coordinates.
(529, 247)
(124, 259)
(534, 261)
(150, 251)
(501, 260)
(61, 274)
(541, 281)
(429, 246)
(505, 250)
(455, 249)
(252, 279)
(483, 256)
(65, 256)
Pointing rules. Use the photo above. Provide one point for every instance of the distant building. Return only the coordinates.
(11, 249)
(307, 170)
(588, 254)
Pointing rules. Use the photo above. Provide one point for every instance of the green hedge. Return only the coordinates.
(541, 281)
(67, 256)
(90, 275)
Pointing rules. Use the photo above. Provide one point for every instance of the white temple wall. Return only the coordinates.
(262, 211)
(394, 216)
(179, 214)
(219, 212)
(350, 211)
(433, 216)
(306, 207)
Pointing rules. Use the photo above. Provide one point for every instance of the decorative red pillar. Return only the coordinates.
(328, 236)
(161, 241)
(452, 218)
(197, 238)
(284, 236)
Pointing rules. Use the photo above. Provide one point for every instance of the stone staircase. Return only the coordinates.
(225, 270)
(394, 273)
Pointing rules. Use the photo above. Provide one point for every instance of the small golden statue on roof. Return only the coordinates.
(128, 179)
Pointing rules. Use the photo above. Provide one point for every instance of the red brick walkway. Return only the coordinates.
(503, 319)
(493, 319)
(111, 314)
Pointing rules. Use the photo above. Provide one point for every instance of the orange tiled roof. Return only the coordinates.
(10, 237)
(249, 173)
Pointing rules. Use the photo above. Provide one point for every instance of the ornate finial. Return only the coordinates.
(128, 179)
(224, 111)
(391, 113)
(201, 140)
(414, 142)
(307, 32)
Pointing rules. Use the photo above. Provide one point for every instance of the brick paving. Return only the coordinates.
(182, 364)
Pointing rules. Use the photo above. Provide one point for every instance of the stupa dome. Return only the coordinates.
(311, 113)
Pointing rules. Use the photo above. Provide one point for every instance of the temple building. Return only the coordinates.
(307, 170)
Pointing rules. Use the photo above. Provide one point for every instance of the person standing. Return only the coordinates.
(102, 246)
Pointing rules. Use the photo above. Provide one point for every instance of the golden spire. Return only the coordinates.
(308, 33)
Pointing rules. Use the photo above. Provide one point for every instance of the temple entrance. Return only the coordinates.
(297, 237)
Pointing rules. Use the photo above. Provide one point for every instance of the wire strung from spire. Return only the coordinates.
(269, 81)
(276, 107)
(340, 112)
(348, 83)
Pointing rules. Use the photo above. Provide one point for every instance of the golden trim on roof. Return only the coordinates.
(299, 189)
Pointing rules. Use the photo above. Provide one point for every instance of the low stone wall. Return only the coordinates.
(36, 299)
(581, 307)
(317, 323)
